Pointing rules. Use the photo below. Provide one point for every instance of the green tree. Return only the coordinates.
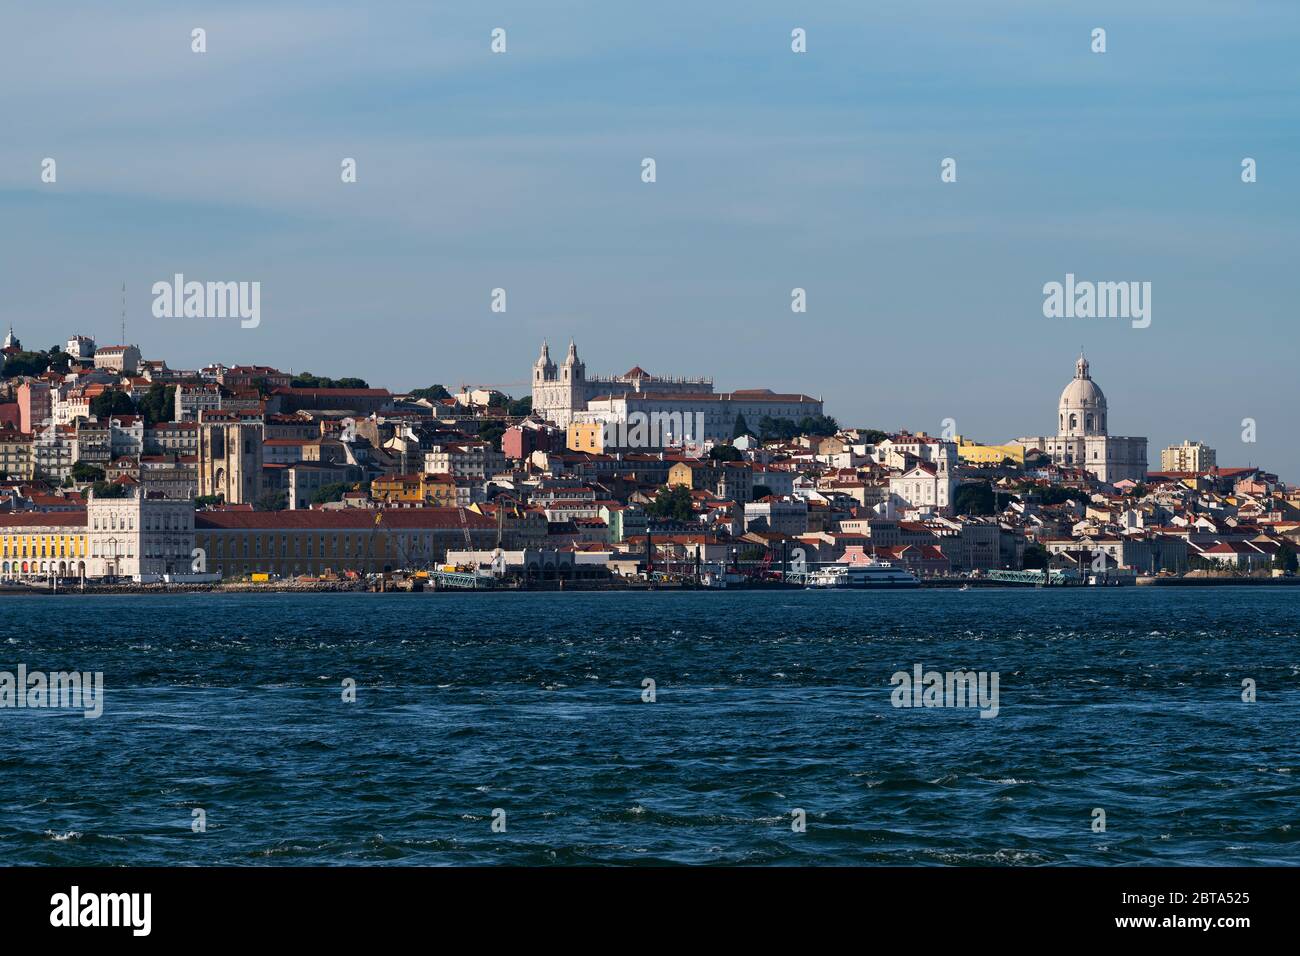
(60, 361)
(873, 436)
(520, 407)
(762, 491)
(1285, 560)
(111, 401)
(974, 499)
(334, 491)
(741, 428)
(84, 473)
(433, 393)
(776, 429)
(308, 380)
(26, 363)
(492, 431)
(159, 403)
(104, 489)
(674, 503)
(822, 426)
(273, 501)
(725, 453)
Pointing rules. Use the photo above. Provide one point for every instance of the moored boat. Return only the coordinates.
(878, 574)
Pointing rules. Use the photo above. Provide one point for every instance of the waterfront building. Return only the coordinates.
(364, 540)
(139, 535)
(41, 544)
(1083, 438)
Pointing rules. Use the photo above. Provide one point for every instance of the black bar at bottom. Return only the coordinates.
(335, 905)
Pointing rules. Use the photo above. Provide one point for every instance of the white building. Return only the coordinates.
(118, 358)
(1083, 439)
(560, 391)
(925, 485)
(139, 535)
(81, 348)
(476, 460)
(1190, 456)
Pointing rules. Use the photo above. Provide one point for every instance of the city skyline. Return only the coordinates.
(776, 171)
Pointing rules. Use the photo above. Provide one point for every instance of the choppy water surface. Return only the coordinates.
(1128, 700)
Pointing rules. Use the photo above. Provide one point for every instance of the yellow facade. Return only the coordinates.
(973, 453)
(587, 436)
(41, 551)
(439, 490)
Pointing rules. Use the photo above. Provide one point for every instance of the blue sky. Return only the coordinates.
(775, 170)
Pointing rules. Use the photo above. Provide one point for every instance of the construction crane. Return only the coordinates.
(464, 526)
(409, 561)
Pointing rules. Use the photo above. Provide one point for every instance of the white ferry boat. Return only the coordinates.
(879, 574)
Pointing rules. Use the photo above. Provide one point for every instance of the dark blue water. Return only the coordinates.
(1128, 700)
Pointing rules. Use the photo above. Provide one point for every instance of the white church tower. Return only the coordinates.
(559, 392)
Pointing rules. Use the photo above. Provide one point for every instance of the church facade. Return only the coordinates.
(1083, 438)
(561, 391)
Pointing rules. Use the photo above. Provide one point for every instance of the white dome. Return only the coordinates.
(1081, 393)
(1082, 409)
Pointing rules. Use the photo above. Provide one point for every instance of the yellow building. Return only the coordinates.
(434, 489)
(973, 453)
(38, 544)
(587, 436)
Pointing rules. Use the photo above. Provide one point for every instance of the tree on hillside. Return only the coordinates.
(334, 491)
(308, 380)
(974, 499)
(26, 363)
(433, 393)
(492, 431)
(159, 403)
(84, 473)
(673, 503)
(821, 425)
(111, 401)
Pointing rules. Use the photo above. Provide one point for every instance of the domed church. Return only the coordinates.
(1082, 438)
